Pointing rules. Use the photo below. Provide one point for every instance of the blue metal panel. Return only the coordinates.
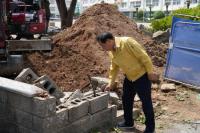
(183, 60)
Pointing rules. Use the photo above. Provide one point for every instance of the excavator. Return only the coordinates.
(20, 22)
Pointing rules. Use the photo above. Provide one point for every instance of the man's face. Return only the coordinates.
(108, 45)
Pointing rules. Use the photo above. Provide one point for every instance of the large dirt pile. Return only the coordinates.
(77, 54)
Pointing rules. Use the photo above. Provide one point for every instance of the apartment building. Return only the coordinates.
(54, 9)
(130, 7)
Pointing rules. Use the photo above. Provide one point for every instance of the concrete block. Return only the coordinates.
(3, 96)
(52, 123)
(19, 87)
(168, 87)
(78, 109)
(27, 76)
(101, 81)
(39, 106)
(47, 84)
(104, 119)
(91, 92)
(66, 96)
(44, 107)
(3, 110)
(8, 127)
(98, 103)
(114, 114)
(82, 125)
(20, 102)
(76, 94)
(114, 98)
(21, 129)
(21, 118)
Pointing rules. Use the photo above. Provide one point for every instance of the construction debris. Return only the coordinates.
(168, 88)
(114, 98)
(76, 53)
(162, 36)
(27, 76)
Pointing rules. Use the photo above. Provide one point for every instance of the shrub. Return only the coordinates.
(165, 23)
(158, 15)
(140, 14)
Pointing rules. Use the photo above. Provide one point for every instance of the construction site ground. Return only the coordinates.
(76, 54)
(177, 107)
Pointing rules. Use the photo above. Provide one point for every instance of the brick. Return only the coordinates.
(114, 98)
(19, 88)
(44, 107)
(21, 129)
(98, 103)
(104, 119)
(48, 84)
(101, 120)
(27, 76)
(77, 109)
(66, 96)
(52, 123)
(8, 127)
(114, 115)
(21, 118)
(4, 110)
(3, 96)
(168, 87)
(100, 117)
(82, 125)
(20, 102)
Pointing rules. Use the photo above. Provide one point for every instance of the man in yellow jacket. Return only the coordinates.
(129, 56)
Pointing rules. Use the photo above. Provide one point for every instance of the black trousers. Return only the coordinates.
(142, 87)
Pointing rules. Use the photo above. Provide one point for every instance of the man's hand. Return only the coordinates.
(153, 77)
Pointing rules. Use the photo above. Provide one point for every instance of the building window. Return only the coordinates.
(194, 1)
(155, 2)
(148, 2)
(176, 2)
(152, 2)
(135, 4)
(123, 4)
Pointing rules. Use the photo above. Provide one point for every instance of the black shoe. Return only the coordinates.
(124, 125)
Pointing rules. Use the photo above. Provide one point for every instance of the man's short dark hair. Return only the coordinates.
(104, 37)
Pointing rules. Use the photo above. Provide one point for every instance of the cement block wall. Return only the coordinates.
(22, 114)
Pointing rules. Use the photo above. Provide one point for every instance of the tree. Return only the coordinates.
(66, 15)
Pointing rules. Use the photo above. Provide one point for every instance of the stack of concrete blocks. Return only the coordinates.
(25, 112)
(44, 82)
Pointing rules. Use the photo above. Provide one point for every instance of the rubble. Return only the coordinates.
(27, 76)
(168, 88)
(76, 53)
(162, 36)
(114, 98)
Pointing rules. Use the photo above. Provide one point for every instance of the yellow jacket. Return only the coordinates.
(131, 57)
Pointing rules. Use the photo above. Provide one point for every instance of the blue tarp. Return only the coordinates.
(183, 59)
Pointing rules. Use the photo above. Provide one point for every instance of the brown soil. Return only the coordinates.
(76, 53)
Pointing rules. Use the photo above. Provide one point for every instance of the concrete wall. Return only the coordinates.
(23, 114)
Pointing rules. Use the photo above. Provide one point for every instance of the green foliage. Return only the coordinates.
(140, 14)
(158, 15)
(165, 23)
(161, 24)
